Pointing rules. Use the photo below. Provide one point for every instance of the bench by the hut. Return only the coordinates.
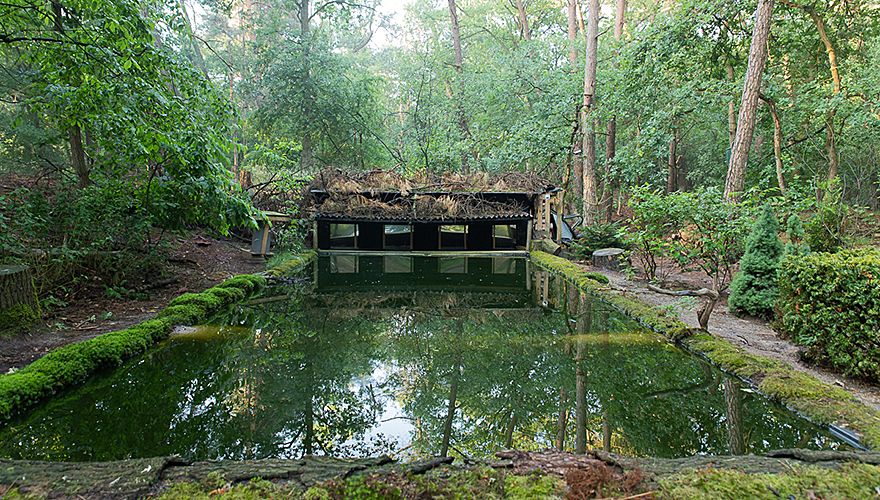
(384, 212)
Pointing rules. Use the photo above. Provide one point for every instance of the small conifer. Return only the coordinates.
(795, 231)
(754, 288)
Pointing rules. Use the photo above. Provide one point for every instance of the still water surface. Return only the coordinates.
(413, 357)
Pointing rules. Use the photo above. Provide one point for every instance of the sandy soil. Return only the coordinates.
(196, 262)
(753, 335)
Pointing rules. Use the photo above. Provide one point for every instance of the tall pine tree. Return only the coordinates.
(754, 288)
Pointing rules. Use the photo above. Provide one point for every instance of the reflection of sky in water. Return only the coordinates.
(327, 370)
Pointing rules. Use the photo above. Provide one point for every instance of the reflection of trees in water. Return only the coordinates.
(300, 378)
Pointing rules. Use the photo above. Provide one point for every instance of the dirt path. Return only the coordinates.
(753, 335)
(196, 262)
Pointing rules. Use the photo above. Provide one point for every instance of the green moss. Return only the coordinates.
(207, 300)
(851, 481)
(15, 318)
(247, 282)
(286, 264)
(227, 295)
(823, 403)
(185, 314)
(253, 489)
(71, 364)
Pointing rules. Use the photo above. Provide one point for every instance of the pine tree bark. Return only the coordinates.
(459, 104)
(611, 130)
(307, 159)
(587, 126)
(745, 125)
(572, 15)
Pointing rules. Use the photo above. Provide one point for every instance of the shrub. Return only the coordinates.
(656, 218)
(831, 304)
(826, 231)
(598, 236)
(794, 229)
(754, 289)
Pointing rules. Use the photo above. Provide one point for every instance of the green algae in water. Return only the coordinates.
(361, 355)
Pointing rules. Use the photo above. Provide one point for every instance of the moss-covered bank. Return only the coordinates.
(823, 403)
(72, 364)
(786, 474)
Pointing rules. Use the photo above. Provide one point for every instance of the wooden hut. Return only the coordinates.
(380, 211)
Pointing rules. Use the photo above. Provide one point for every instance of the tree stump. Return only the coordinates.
(608, 258)
(17, 301)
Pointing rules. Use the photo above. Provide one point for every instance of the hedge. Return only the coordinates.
(73, 363)
(831, 304)
(822, 403)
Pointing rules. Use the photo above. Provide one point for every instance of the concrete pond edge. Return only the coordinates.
(823, 404)
(72, 364)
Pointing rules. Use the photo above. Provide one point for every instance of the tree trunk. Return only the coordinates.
(450, 409)
(733, 399)
(611, 138)
(731, 112)
(672, 164)
(571, 11)
(577, 163)
(561, 419)
(587, 126)
(459, 105)
(745, 125)
(306, 155)
(78, 157)
(777, 142)
(525, 33)
(830, 136)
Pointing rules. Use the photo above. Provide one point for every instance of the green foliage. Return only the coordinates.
(73, 363)
(794, 229)
(754, 288)
(598, 236)
(695, 229)
(826, 231)
(831, 304)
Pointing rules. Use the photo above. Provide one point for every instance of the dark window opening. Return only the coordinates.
(398, 237)
(453, 237)
(343, 235)
(504, 236)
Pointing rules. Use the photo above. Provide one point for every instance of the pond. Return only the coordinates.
(410, 356)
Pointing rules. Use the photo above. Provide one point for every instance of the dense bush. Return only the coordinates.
(831, 304)
(754, 288)
(74, 363)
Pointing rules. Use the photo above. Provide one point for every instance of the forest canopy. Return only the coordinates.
(193, 112)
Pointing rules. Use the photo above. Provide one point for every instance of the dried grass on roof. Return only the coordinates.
(418, 207)
(378, 181)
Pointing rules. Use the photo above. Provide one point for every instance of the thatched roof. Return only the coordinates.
(336, 181)
(384, 195)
